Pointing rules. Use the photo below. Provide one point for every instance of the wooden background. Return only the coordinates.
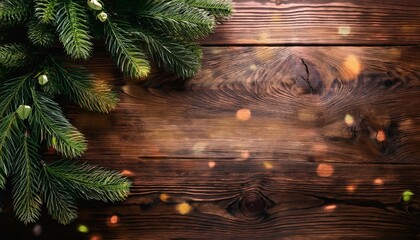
(257, 145)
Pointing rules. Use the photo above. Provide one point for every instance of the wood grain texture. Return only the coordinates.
(297, 22)
(289, 165)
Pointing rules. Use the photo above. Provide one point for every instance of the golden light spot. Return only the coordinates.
(243, 114)
(330, 208)
(82, 228)
(164, 197)
(183, 208)
(127, 173)
(351, 188)
(245, 154)
(381, 136)
(353, 66)
(344, 30)
(324, 170)
(114, 219)
(349, 120)
(253, 67)
(212, 164)
(378, 181)
(268, 165)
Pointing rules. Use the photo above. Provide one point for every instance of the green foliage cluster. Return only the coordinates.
(33, 74)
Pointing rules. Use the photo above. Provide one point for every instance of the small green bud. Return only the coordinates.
(407, 195)
(42, 79)
(23, 111)
(102, 16)
(94, 4)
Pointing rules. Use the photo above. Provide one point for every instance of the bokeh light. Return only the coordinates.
(407, 195)
(243, 114)
(349, 120)
(37, 230)
(268, 165)
(351, 188)
(352, 65)
(330, 208)
(164, 197)
(114, 219)
(381, 136)
(95, 237)
(82, 228)
(211, 164)
(324, 170)
(378, 181)
(344, 30)
(183, 208)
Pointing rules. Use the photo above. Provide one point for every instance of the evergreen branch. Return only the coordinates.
(59, 203)
(13, 92)
(180, 57)
(13, 55)
(131, 60)
(80, 87)
(26, 170)
(90, 182)
(176, 18)
(220, 9)
(48, 121)
(40, 34)
(45, 11)
(13, 12)
(8, 136)
(73, 30)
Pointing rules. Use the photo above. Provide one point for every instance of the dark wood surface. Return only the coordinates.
(266, 142)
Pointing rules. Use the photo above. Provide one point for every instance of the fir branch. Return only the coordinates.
(176, 18)
(41, 34)
(73, 30)
(60, 205)
(26, 170)
(80, 87)
(13, 12)
(13, 92)
(220, 9)
(131, 60)
(182, 58)
(13, 55)
(48, 121)
(45, 11)
(8, 134)
(90, 182)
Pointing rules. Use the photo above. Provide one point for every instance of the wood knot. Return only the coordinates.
(252, 205)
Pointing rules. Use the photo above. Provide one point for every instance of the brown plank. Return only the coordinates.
(297, 22)
(250, 199)
(287, 121)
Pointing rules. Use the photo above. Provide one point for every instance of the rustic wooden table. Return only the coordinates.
(304, 123)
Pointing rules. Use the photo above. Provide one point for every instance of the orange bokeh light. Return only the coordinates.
(381, 136)
(243, 114)
(114, 219)
(324, 170)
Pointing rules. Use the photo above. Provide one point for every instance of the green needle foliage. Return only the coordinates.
(33, 75)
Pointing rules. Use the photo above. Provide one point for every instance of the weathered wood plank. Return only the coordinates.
(287, 119)
(297, 22)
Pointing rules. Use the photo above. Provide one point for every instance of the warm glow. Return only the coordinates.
(127, 173)
(378, 181)
(330, 208)
(325, 170)
(183, 208)
(243, 114)
(349, 120)
(351, 188)
(319, 148)
(353, 66)
(245, 155)
(344, 30)
(114, 219)
(268, 165)
(95, 237)
(164, 197)
(212, 164)
(381, 136)
(253, 67)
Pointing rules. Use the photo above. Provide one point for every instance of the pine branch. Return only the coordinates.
(13, 55)
(182, 58)
(176, 18)
(90, 182)
(80, 87)
(41, 34)
(13, 12)
(13, 92)
(60, 205)
(48, 121)
(45, 11)
(220, 9)
(8, 134)
(26, 171)
(131, 60)
(73, 30)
